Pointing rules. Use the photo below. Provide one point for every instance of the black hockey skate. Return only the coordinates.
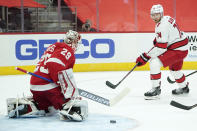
(180, 91)
(153, 94)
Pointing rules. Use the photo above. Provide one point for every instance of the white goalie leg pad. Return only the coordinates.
(67, 83)
(77, 112)
(17, 107)
(51, 111)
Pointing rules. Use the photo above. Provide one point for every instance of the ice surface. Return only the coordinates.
(132, 112)
(95, 122)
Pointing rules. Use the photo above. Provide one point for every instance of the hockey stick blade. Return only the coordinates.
(120, 96)
(181, 106)
(170, 81)
(109, 84)
(114, 86)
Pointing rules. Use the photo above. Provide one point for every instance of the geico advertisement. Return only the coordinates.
(95, 48)
(192, 56)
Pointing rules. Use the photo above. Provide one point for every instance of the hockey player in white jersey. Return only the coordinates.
(169, 50)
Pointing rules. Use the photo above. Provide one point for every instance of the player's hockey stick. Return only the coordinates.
(181, 106)
(87, 94)
(109, 84)
(172, 82)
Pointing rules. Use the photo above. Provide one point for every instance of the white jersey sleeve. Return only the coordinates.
(167, 33)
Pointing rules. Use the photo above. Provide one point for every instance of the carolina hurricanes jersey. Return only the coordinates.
(57, 57)
(168, 36)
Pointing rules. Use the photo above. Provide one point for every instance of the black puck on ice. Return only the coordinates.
(112, 121)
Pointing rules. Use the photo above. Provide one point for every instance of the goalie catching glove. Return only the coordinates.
(142, 59)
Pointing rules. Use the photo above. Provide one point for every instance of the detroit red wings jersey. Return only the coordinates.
(57, 57)
(168, 36)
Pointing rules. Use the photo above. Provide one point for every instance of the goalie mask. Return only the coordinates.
(73, 39)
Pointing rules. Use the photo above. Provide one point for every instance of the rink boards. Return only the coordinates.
(98, 52)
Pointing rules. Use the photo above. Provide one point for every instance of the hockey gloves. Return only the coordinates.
(154, 41)
(142, 59)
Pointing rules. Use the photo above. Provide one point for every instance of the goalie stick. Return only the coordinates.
(109, 84)
(181, 106)
(172, 82)
(88, 95)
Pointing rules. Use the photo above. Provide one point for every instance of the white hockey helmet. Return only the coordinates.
(73, 39)
(157, 9)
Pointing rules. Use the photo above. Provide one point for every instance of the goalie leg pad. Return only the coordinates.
(67, 83)
(17, 107)
(78, 111)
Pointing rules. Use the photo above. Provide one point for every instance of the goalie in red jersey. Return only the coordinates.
(56, 64)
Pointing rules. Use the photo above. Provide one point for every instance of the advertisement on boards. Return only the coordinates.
(26, 49)
(192, 56)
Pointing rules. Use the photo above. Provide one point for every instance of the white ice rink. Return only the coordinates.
(131, 113)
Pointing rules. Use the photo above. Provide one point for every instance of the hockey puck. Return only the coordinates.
(113, 121)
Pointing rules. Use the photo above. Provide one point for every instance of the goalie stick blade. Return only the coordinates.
(170, 81)
(109, 84)
(181, 106)
(120, 96)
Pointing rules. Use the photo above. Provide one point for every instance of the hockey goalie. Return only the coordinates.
(61, 96)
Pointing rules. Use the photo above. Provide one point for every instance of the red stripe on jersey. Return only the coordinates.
(180, 80)
(158, 24)
(71, 84)
(155, 76)
(178, 44)
(161, 45)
